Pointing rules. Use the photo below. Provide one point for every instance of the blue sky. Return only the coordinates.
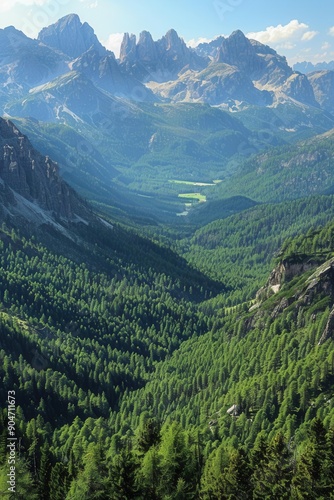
(299, 29)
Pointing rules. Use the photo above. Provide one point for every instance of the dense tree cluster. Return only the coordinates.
(134, 379)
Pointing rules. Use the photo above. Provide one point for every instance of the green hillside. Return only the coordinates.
(286, 173)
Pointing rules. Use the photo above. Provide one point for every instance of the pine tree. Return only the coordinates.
(123, 475)
(59, 482)
(44, 473)
(149, 474)
(149, 435)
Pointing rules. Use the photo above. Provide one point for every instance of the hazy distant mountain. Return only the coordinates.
(151, 113)
(308, 67)
(233, 72)
(25, 62)
(323, 87)
(71, 37)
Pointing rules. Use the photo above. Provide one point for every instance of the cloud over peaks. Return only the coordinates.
(279, 33)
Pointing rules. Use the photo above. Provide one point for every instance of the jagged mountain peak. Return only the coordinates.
(69, 19)
(160, 60)
(239, 35)
(71, 36)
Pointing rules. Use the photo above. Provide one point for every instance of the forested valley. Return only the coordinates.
(140, 372)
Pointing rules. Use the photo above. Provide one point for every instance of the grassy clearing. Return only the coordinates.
(190, 183)
(194, 196)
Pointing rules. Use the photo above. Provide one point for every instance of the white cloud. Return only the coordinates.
(274, 34)
(309, 35)
(7, 5)
(114, 43)
(286, 46)
(325, 46)
(331, 31)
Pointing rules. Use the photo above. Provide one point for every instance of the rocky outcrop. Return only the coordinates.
(30, 178)
(71, 37)
(329, 329)
(284, 272)
(128, 51)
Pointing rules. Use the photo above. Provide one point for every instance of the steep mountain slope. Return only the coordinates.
(25, 63)
(31, 187)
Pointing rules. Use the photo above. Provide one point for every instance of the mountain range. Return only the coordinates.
(123, 130)
(167, 70)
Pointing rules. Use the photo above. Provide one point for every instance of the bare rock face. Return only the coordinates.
(238, 51)
(298, 87)
(329, 329)
(158, 61)
(146, 50)
(35, 178)
(128, 52)
(70, 36)
(323, 87)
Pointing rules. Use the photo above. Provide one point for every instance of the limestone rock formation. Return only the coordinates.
(160, 60)
(70, 36)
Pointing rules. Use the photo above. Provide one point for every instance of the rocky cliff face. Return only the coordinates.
(299, 88)
(31, 182)
(284, 272)
(323, 87)
(71, 37)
